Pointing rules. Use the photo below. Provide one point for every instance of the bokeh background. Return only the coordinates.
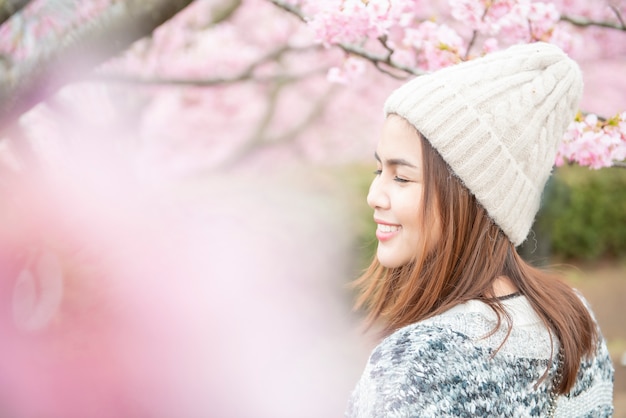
(182, 207)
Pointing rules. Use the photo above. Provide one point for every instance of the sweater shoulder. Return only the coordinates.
(421, 343)
(455, 364)
(428, 370)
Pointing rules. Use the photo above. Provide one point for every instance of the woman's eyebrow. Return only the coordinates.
(395, 161)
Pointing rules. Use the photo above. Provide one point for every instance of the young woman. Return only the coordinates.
(473, 330)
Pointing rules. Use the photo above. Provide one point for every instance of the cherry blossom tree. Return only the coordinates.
(266, 85)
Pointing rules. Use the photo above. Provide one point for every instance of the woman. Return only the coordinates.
(472, 329)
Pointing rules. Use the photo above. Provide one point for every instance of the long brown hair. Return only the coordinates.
(463, 265)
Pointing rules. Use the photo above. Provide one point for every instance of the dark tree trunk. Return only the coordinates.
(25, 83)
(9, 7)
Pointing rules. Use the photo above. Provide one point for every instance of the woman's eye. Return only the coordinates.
(400, 179)
(378, 172)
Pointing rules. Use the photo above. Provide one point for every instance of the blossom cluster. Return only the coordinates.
(594, 142)
(426, 36)
(418, 34)
(514, 19)
(350, 21)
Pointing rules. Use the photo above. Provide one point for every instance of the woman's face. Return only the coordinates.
(396, 195)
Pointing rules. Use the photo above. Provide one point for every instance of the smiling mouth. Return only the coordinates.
(388, 228)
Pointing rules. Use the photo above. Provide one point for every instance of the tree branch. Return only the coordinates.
(618, 15)
(578, 21)
(315, 112)
(75, 52)
(247, 74)
(475, 32)
(290, 9)
(200, 82)
(470, 44)
(260, 139)
(224, 11)
(9, 7)
(256, 139)
(381, 62)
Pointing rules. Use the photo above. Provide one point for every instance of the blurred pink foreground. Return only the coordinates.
(219, 296)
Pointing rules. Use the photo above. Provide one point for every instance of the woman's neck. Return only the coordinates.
(503, 286)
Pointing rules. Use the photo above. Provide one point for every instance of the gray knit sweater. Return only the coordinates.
(444, 367)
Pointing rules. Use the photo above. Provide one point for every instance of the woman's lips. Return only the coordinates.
(386, 231)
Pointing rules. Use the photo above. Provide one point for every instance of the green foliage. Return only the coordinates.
(584, 213)
(354, 181)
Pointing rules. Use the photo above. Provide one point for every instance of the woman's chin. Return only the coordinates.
(389, 260)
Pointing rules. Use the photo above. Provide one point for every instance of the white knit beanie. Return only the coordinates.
(497, 121)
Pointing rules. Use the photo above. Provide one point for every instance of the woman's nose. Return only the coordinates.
(377, 198)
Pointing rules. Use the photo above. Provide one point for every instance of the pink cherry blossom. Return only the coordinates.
(351, 21)
(593, 142)
(438, 45)
(351, 69)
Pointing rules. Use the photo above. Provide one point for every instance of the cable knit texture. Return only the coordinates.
(497, 121)
(445, 367)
